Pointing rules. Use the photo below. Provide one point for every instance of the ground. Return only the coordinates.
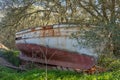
(4, 62)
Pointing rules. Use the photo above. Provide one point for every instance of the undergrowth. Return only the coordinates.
(39, 74)
(11, 56)
(111, 64)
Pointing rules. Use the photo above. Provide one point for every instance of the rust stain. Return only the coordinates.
(49, 31)
(33, 29)
(47, 27)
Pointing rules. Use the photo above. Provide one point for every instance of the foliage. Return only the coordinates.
(11, 56)
(22, 14)
(37, 74)
(104, 14)
(111, 64)
(104, 33)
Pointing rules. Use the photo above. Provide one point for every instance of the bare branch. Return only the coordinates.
(104, 11)
(95, 8)
(113, 11)
(89, 11)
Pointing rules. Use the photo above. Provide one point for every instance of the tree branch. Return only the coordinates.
(103, 8)
(94, 7)
(89, 11)
(112, 11)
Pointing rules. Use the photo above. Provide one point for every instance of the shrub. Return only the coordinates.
(11, 56)
(110, 63)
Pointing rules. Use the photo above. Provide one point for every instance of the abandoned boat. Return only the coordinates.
(52, 45)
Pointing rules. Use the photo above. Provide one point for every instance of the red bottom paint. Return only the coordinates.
(52, 56)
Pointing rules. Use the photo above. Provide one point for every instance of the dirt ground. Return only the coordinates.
(3, 62)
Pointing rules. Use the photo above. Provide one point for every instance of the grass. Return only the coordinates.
(38, 74)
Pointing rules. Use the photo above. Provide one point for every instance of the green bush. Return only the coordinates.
(11, 56)
(114, 65)
(110, 63)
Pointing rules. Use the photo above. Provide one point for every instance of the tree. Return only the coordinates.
(105, 14)
(101, 17)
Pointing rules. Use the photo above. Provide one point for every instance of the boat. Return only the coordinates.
(53, 45)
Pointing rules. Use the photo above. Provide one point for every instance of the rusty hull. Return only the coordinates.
(37, 53)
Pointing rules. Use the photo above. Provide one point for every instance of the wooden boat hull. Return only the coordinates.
(52, 56)
(53, 45)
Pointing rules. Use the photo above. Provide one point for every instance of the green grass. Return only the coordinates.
(112, 65)
(38, 74)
